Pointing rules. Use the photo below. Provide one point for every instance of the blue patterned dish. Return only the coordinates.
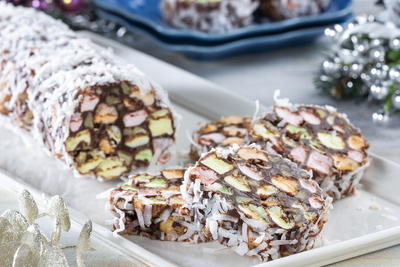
(147, 13)
(228, 49)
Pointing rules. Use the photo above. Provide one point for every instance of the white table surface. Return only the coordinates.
(291, 71)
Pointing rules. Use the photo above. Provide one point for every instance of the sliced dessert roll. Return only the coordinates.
(319, 139)
(208, 15)
(221, 133)
(256, 202)
(102, 117)
(152, 206)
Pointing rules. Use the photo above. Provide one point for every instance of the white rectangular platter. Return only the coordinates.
(366, 222)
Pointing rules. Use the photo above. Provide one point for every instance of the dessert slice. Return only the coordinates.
(208, 15)
(152, 206)
(318, 139)
(258, 203)
(221, 133)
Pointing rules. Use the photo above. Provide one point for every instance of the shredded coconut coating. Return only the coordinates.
(78, 100)
(256, 202)
(208, 16)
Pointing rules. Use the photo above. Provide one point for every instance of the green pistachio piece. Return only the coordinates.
(321, 113)
(243, 200)
(143, 178)
(157, 183)
(112, 100)
(267, 190)
(261, 129)
(225, 190)
(88, 122)
(218, 165)
(145, 155)
(126, 89)
(134, 131)
(238, 182)
(331, 141)
(159, 113)
(298, 131)
(288, 141)
(161, 126)
(280, 218)
(250, 212)
(129, 187)
(73, 141)
(330, 120)
(259, 210)
(136, 141)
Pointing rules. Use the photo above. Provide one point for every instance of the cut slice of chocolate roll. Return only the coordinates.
(102, 117)
(152, 206)
(221, 133)
(258, 203)
(208, 15)
(288, 9)
(318, 139)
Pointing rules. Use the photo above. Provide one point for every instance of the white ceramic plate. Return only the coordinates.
(358, 225)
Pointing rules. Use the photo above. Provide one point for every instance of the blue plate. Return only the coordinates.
(228, 49)
(147, 13)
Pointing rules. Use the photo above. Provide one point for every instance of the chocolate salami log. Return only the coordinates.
(258, 203)
(287, 9)
(152, 206)
(100, 116)
(222, 133)
(208, 15)
(319, 139)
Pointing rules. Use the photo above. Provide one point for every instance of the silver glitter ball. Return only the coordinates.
(377, 54)
(368, 81)
(361, 47)
(378, 73)
(329, 67)
(381, 118)
(355, 70)
(396, 100)
(395, 43)
(379, 91)
(377, 42)
(330, 33)
(394, 73)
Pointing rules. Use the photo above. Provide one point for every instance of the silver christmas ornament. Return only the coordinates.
(361, 47)
(378, 42)
(329, 67)
(395, 43)
(330, 33)
(366, 79)
(355, 70)
(379, 91)
(378, 73)
(380, 117)
(354, 39)
(325, 78)
(394, 73)
(396, 100)
(377, 54)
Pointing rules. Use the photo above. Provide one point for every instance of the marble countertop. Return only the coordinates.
(291, 71)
